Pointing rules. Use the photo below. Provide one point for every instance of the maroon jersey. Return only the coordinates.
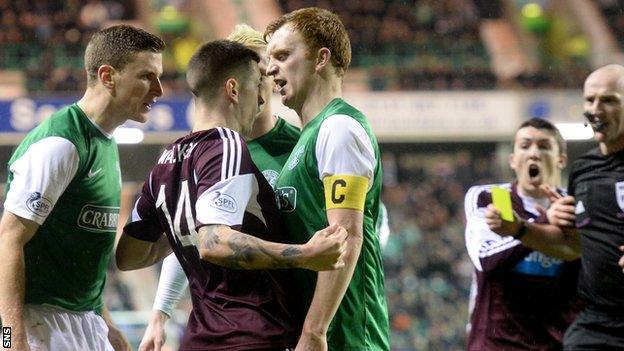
(521, 299)
(206, 178)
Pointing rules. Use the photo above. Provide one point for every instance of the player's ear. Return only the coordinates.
(231, 89)
(323, 59)
(512, 161)
(562, 162)
(105, 75)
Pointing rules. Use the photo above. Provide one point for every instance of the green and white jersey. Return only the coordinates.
(339, 141)
(65, 176)
(270, 151)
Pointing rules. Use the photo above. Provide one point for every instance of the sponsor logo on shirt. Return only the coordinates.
(286, 198)
(537, 263)
(224, 202)
(38, 204)
(99, 218)
(271, 177)
(295, 156)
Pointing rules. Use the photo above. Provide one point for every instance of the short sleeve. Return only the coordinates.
(40, 176)
(344, 148)
(226, 181)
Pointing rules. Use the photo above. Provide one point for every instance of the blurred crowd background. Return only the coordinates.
(398, 45)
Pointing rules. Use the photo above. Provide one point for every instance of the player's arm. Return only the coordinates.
(222, 245)
(133, 253)
(546, 238)
(558, 239)
(15, 232)
(115, 336)
(226, 186)
(347, 162)
(332, 285)
(171, 285)
(40, 176)
(143, 241)
(488, 251)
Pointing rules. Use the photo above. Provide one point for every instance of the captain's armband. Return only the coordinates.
(345, 191)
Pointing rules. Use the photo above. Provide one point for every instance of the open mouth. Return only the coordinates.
(279, 84)
(534, 171)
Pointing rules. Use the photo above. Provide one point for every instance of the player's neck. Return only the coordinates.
(611, 148)
(321, 94)
(206, 117)
(263, 124)
(529, 191)
(96, 105)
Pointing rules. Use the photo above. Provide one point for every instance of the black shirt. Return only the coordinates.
(597, 183)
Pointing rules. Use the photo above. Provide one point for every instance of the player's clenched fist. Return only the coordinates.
(326, 249)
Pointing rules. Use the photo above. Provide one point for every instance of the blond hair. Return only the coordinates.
(246, 35)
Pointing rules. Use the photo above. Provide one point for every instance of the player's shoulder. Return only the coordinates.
(479, 196)
(481, 189)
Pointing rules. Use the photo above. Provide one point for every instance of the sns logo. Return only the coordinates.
(6, 337)
(224, 202)
(38, 204)
(286, 199)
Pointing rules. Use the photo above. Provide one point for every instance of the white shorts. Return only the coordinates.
(51, 328)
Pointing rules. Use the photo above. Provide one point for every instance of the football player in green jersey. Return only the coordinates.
(332, 176)
(271, 141)
(62, 200)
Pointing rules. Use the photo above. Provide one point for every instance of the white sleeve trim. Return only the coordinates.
(170, 286)
(226, 201)
(480, 240)
(40, 176)
(343, 147)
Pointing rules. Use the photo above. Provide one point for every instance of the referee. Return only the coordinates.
(596, 208)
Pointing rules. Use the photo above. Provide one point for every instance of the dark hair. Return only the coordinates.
(319, 28)
(116, 46)
(540, 123)
(213, 63)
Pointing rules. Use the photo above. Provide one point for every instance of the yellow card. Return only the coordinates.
(501, 199)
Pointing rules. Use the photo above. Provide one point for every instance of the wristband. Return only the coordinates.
(522, 232)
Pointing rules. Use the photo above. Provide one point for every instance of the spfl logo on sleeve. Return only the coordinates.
(38, 204)
(223, 202)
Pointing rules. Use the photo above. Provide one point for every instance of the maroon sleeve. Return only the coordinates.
(501, 254)
(222, 160)
(144, 224)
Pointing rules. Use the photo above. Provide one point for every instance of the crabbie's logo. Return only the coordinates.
(223, 202)
(99, 218)
(38, 204)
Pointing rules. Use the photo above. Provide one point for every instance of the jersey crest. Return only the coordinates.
(619, 194)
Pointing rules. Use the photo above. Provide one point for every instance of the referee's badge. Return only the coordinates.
(619, 194)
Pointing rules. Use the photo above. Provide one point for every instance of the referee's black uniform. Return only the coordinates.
(597, 183)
